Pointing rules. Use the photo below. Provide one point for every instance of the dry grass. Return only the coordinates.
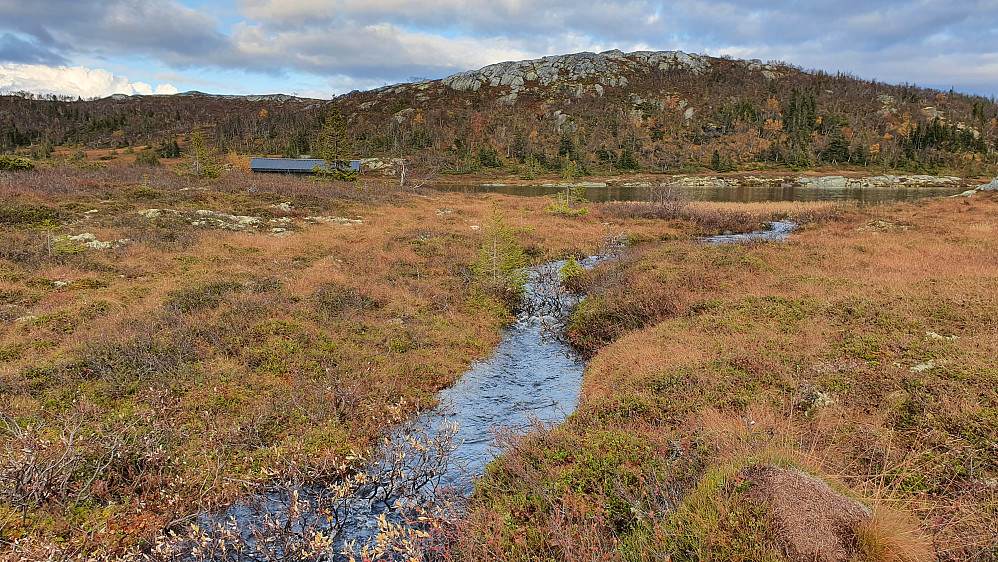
(709, 218)
(892, 536)
(202, 356)
(862, 350)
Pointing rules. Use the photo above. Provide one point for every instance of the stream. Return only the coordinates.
(534, 376)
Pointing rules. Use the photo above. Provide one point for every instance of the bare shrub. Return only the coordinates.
(36, 465)
(43, 464)
(143, 357)
(712, 220)
(669, 197)
(200, 298)
(708, 219)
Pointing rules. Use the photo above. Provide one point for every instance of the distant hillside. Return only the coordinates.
(584, 113)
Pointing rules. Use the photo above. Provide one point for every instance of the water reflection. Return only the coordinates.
(738, 194)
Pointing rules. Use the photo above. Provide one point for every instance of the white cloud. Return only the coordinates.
(72, 81)
(370, 53)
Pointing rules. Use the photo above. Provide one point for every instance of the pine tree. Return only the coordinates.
(499, 267)
(837, 151)
(715, 162)
(169, 148)
(627, 161)
(200, 160)
(334, 143)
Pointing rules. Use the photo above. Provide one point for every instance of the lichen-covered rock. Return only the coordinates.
(607, 69)
(993, 186)
(334, 220)
(824, 182)
(838, 182)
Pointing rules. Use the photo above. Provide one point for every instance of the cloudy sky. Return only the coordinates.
(322, 48)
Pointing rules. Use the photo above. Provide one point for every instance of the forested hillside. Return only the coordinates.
(579, 114)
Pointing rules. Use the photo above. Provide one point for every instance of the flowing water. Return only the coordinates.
(778, 232)
(534, 375)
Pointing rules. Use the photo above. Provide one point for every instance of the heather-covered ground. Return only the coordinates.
(731, 386)
(167, 342)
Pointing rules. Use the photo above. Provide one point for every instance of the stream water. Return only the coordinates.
(533, 376)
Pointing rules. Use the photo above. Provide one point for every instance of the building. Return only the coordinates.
(294, 165)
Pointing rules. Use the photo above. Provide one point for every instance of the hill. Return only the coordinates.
(582, 113)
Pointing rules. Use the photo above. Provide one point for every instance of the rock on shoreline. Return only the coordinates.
(993, 186)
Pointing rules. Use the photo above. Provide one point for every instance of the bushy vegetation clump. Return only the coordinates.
(15, 163)
(499, 269)
(147, 157)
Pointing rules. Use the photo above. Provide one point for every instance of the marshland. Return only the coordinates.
(170, 346)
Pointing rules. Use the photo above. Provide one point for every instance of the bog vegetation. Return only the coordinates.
(169, 342)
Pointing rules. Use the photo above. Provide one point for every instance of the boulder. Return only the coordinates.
(992, 186)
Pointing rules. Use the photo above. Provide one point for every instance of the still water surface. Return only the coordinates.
(738, 194)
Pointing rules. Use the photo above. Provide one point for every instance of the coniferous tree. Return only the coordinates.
(334, 143)
(837, 151)
(169, 148)
(200, 160)
(499, 267)
(627, 161)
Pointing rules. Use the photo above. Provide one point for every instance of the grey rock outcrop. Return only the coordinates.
(770, 71)
(592, 71)
(992, 186)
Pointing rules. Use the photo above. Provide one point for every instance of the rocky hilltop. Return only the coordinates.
(670, 111)
(596, 70)
(576, 74)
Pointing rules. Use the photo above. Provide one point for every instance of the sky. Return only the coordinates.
(324, 48)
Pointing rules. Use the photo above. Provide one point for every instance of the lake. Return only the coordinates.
(740, 194)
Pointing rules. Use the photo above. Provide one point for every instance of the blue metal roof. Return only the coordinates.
(287, 164)
(294, 164)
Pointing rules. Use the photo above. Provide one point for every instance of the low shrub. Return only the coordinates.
(27, 215)
(572, 275)
(200, 298)
(15, 163)
(147, 157)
